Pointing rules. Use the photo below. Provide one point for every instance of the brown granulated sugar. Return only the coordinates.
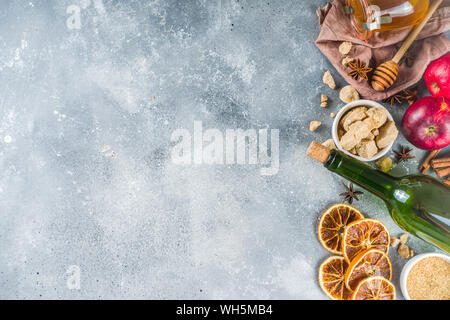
(429, 279)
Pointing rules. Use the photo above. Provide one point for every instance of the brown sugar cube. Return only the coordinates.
(348, 141)
(348, 94)
(403, 238)
(370, 136)
(353, 115)
(345, 47)
(323, 100)
(367, 149)
(341, 132)
(394, 242)
(388, 133)
(376, 117)
(357, 131)
(403, 251)
(347, 60)
(313, 125)
(329, 80)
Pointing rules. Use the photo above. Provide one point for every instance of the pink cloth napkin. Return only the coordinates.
(429, 45)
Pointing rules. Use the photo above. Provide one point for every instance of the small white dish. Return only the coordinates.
(340, 114)
(408, 266)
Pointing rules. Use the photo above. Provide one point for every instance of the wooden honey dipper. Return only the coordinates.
(385, 75)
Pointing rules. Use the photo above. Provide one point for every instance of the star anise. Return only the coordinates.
(394, 99)
(349, 195)
(404, 154)
(410, 95)
(408, 59)
(358, 69)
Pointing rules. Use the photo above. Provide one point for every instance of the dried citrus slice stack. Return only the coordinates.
(332, 278)
(332, 224)
(364, 234)
(372, 262)
(374, 288)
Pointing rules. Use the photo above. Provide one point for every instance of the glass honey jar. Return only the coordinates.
(368, 16)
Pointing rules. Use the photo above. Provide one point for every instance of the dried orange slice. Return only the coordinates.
(369, 263)
(332, 278)
(332, 224)
(374, 288)
(362, 235)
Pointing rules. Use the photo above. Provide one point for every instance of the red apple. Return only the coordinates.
(437, 77)
(426, 123)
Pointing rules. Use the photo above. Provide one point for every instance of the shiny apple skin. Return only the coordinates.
(426, 123)
(437, 77)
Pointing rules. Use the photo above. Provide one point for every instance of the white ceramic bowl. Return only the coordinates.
(340, 114)
(408, 266)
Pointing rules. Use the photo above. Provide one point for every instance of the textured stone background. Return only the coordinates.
(86, 179)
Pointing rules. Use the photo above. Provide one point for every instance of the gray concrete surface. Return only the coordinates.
(87, 184)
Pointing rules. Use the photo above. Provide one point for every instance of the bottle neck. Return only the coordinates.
(359, 13)
(374, 181)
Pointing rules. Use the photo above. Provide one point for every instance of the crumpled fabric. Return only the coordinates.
(430, 45)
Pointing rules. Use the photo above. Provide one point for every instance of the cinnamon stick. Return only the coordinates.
(444, 159)
(426, 164)
(441, 162)
(441, 173)
(439, 165)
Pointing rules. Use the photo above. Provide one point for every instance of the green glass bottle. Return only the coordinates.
(419, 204)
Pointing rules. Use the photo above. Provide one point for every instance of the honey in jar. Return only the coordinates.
(368, 16)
